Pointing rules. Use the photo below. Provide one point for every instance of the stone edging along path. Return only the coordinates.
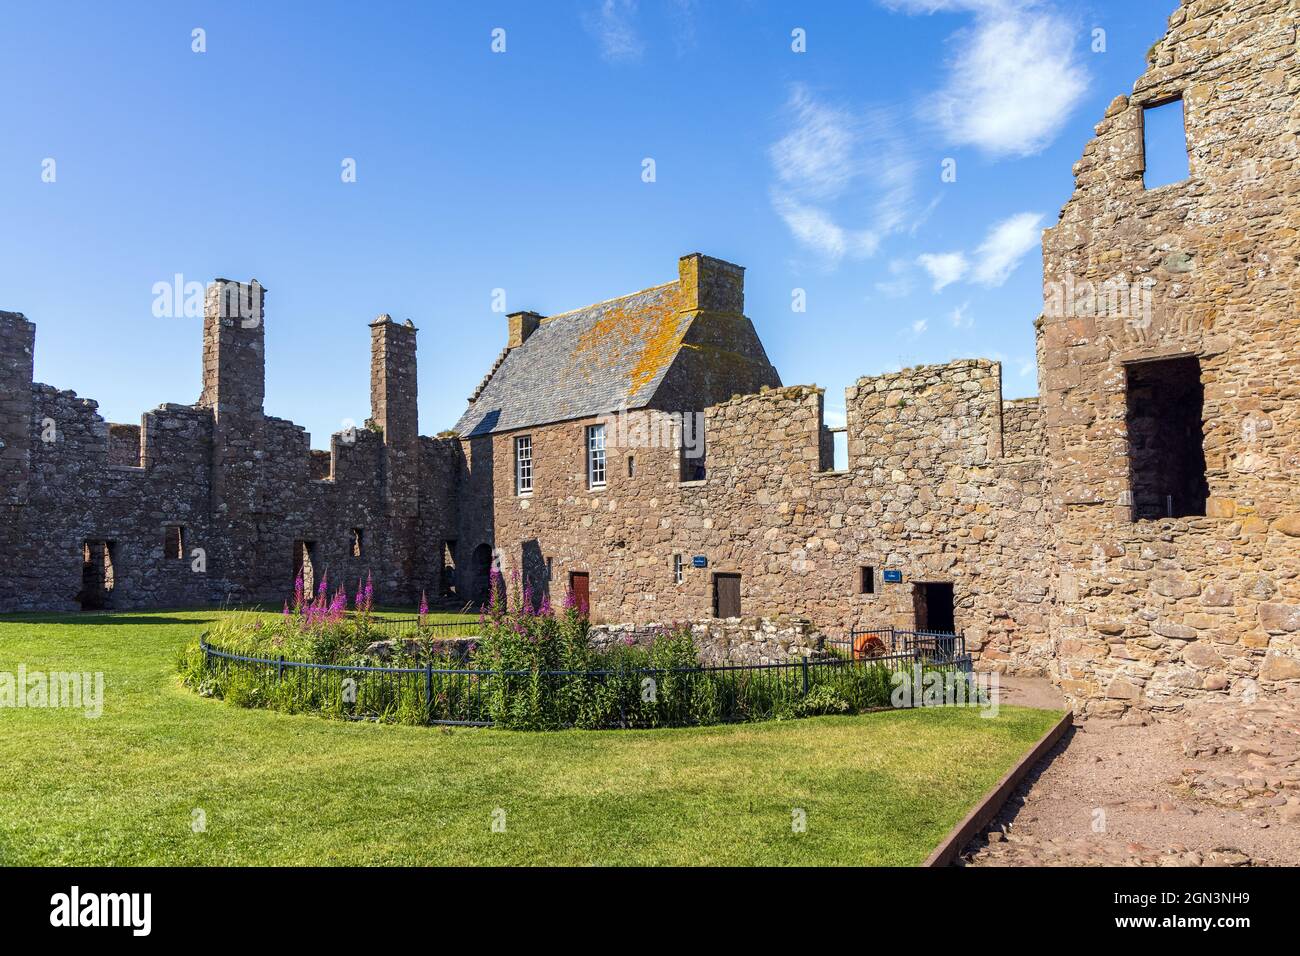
(989, 805)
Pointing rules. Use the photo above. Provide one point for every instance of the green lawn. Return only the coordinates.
(275, 789)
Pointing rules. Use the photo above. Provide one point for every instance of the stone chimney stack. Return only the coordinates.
(521, 325)
(234, 352)
(392, 380)
(393, 408)
(17, 342)
(711, 285)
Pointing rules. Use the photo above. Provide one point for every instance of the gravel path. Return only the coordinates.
(1218, 786)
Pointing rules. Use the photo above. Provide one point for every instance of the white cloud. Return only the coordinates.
(1005, 245)
(993, 261)
(1015, 79)
(832, 158)
(817, 230)
(945, 268)
(900, 285)
(613, 24)
(919, 327)
(959, 318)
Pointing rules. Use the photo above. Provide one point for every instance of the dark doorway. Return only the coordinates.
(726, 595)
(98, 576)
(533, 567)
(481, 572)
(1166, 442)
(580, 588)
(934, 607)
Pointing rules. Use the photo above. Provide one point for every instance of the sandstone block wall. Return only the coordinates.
(928, 494)
(1154, 611)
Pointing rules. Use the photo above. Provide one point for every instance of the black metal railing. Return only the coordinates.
(398, 627)
(593, 699)
(930, 646)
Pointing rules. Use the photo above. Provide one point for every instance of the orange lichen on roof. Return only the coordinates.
(655, 332)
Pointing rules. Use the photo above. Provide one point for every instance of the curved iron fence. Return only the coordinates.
(615, 698)
(397, 627)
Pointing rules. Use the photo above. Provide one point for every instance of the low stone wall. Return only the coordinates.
(730, 640)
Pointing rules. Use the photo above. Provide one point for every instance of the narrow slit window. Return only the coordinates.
(174, 542)
(678, 575)
(524, 465)
(357, 541)
(1164, 145)
(631, 466)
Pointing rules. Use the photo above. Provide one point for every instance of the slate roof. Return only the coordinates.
(591, 361)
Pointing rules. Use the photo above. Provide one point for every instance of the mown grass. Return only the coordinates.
(122, 789)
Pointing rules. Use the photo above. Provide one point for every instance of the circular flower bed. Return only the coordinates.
(528, 668)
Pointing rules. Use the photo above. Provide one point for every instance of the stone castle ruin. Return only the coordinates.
(1134, 532)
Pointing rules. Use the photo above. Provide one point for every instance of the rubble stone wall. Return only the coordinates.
(1152, 612)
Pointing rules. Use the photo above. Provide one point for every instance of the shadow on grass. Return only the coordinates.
(96, 619)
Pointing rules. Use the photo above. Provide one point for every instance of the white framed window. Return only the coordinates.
(596, 456)
(524, 465)
(678, 575)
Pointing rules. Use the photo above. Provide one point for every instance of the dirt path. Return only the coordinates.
(1219, 786)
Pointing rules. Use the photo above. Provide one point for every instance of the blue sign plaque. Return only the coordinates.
(893, 576)
(699, 561)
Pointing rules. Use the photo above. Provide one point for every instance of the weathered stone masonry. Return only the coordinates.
(1134, 534)
(243, 486)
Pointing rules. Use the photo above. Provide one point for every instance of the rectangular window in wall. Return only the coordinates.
(866, 580)
(596, 456)
(1164, 145)
(678, 573)
(524, 465)
(174, 542)
(1165, 419)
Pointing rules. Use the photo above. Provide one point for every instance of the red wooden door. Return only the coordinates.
(580, 585)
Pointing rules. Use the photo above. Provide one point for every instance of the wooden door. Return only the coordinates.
(726, 595)
(580, 585)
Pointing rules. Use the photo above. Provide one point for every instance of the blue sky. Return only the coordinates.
(522, 170)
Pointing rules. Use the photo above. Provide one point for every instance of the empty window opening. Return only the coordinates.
(304, 565)
(174, 542)
(355, 548)
(1164, 145)
(596, 456)
(693, 447)
(98, 575)
(726, 595)
(840, 449)
(933, 604)
(631, 466)
(679, 573)
(524, 465)
(1166, 443)
(866, 580)
(449, 569)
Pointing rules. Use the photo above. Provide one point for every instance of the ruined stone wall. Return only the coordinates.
(242, 486)
(1022, 428)
(928, 494)
(729, 641)
(1155, 611)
